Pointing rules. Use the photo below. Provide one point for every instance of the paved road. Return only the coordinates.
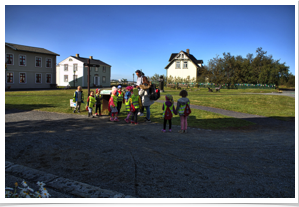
(140, 161)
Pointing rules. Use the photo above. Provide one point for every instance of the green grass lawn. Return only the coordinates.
(272, 106)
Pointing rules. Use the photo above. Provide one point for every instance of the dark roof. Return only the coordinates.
(30, 49)
(92, 61)
(191, 57)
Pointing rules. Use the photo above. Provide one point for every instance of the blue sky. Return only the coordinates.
(143, 37)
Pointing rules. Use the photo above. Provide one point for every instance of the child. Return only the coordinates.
(120, 98)
(91, 104)
(136, 101)
(181, 105)
(78, 98)
(127, 103)
(113, 105)
(99, 99)
(168, 104)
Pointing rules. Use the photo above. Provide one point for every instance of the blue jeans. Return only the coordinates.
(148, 112)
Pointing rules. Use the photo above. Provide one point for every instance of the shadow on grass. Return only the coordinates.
(25, 107)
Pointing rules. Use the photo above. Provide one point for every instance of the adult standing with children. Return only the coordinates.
(139, 80)
(145, 98)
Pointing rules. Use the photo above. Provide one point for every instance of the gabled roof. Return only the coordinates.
(92, 61)
(191, 57)
(30, 49)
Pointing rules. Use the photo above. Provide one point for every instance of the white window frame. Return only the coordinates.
(46, 78)
(41, 78)
(13, 58)
(67, 67)
(103, 77)
(51, 62)
(41, 61)
(67, 78)
(25, 60)
(176, 64)
(13, 80)
(20, 78)
(185, 66)
(96, 69)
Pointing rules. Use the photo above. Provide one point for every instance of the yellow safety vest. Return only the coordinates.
(135, 101)
(165, 107)
(120, 96)
(182, 108)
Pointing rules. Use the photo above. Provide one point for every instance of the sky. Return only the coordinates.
(131, 37)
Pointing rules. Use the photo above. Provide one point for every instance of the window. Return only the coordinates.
(96, 69)
(38, 61)
(38, 78)
(48, 78)
(104, 79)
(66, 78)
(66, 67)
(178, 64)
(185, 66)
(182, 55)
(104, 69)
(9, 78)
(22, 60)
(9, 59)
(49, 63)
(22, 77)
(75, 67)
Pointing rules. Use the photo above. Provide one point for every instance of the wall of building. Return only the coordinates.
(29, 69)
(82, 74)
(180, 72)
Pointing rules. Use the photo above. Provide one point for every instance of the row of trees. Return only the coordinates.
(261, 69)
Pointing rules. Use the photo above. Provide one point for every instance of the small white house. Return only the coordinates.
(73, 71)
(182, 65)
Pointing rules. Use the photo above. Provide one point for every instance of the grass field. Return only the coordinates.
(236, 100)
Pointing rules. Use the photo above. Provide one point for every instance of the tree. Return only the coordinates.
(260, 69)
(155, 77)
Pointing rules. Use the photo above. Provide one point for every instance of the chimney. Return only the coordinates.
(188, 51)
(90, 57)
(77, 55)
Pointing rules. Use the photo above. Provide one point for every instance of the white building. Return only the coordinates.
(182, 65)
(73, 71)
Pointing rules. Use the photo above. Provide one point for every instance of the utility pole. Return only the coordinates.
(88, 76)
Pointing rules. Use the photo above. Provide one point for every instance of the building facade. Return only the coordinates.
(182, 65)
(29, 67)
(73, 70)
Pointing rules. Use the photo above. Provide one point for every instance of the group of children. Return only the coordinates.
(92, 101)
(183, 109)
(133, 103)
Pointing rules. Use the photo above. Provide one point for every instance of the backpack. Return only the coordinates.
(154, 93)
(168, 114)
(187, 110)
(132, 108)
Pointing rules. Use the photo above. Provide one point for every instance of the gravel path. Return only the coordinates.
(140, 161)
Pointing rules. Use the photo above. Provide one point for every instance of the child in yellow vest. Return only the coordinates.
(136, 101)
(168, 104)
(127, 104)
(99, 99)
(91, 104)
(113, 106)
(120, 98)
(181, 104)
